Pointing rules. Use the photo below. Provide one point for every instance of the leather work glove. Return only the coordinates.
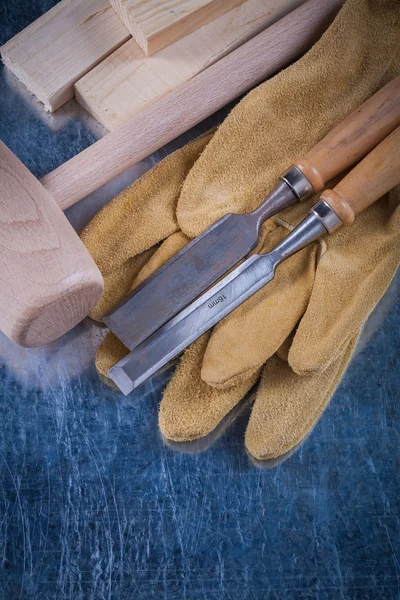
(296, 335)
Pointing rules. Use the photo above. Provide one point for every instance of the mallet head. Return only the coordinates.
(48, 280)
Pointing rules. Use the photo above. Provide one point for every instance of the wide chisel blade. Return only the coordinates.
(191, 271)
(209, 308)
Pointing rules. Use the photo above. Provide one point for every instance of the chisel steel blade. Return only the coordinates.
(190, 323)
(210, 308)
(192, 271)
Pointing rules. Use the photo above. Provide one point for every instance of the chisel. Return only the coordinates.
(373, 177)
(224, 243)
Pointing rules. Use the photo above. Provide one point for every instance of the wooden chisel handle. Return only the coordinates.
(354, 137)
(371, 179)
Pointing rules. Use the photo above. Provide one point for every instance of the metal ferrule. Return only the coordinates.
(298, 183)
(327, 216)
(307, 231)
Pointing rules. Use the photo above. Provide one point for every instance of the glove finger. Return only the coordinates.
(190, 408)
(288, 406)
(109, 352)
(351, 278)
(119, 282)
(144, 213)
(244, 340)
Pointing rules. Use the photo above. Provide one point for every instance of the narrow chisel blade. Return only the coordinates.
(193, 321)
(191, 271)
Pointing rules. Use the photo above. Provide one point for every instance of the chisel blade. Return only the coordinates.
(190, 323)
(191, 271)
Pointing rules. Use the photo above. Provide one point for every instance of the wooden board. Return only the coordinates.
(52, 53)
(156, 24)
(127, 82)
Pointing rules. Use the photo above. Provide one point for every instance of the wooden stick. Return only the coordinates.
(190, 103)
(57, 49)
(156, 24)
(127, 81)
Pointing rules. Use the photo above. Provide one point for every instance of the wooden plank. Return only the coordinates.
(156, 24)
(52, 53)
(127, 82)
(191, 102)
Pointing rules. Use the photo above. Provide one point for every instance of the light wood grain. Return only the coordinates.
(371, 179)
(48, 280)
(126, 82)
(192, 102)
(61, 46)
(347, 143)
(155, 24)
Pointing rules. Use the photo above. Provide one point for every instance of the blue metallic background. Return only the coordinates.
(93, 503)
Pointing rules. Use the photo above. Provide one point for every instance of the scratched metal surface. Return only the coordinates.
(94, 504)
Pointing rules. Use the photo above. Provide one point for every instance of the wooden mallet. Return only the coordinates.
(48, 280)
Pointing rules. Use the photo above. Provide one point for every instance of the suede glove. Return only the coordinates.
(311, 313)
